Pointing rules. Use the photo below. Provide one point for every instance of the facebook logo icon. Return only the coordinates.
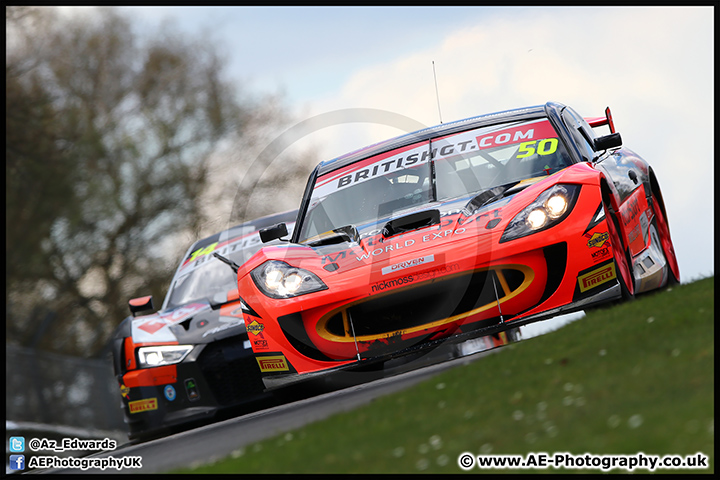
(17, 462)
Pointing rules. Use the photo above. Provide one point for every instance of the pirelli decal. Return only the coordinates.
(597, 277)
(143, 405)
(276, 363)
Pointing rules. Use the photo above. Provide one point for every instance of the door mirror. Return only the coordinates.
(608, 141)
(273, 233)
(140, 304)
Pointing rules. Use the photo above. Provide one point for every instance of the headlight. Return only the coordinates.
(279, 280)
(162, 355)
(548, 209)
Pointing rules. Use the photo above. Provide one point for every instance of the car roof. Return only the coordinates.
(434, 132)
(236, 230)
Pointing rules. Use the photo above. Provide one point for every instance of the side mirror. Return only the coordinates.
(140, 304)
(273, 233)
(226, 297)
(608, 141)
(233, 295)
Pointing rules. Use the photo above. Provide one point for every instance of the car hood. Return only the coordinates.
(372, 248)
(459, 226)
(194, 323)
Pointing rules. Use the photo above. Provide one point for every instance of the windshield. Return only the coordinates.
(202, 276)
(203, 283)
(455, 166)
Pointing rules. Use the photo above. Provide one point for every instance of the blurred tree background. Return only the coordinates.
(121, 150)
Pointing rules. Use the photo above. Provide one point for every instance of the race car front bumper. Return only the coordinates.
(215, 376)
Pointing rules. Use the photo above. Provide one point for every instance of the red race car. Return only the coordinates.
(457, 231)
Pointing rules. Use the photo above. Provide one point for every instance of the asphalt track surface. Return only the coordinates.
(300, 407)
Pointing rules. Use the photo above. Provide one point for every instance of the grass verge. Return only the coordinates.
(635, 377)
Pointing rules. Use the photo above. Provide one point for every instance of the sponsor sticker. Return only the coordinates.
(467, 142)
(408, 264)
(153, 323)
(596, 277)
(273, 364)
(255, 328)
(143, 405)
(388, 284)
(598, 239)
(169, 392)
(191, 389)
(223, 326)
(601, 254)
(125, 391)
(260, 344)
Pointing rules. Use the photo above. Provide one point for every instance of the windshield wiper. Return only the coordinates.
(232, 264)
(348, 233)
(486, 197)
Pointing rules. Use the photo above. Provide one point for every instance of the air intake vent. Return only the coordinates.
(414, 308)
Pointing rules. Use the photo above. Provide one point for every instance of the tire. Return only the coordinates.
(667, 246)
(621, 257)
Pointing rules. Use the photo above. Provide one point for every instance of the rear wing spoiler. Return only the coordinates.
(600, 121)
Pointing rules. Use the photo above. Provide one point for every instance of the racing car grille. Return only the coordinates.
(435, 303)
(231, 371)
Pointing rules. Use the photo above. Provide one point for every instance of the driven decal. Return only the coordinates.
(273, 364)
(596, 277)
(143, 405)
(408, 264)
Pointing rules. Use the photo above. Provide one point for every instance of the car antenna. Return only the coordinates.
(437, 95)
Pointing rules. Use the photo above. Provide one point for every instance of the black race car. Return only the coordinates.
(192, 358)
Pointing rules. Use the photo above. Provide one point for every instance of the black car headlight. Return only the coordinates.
(548, 209)
(277, 279)
(157, 356)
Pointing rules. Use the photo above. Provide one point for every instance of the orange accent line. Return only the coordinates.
(148, 377)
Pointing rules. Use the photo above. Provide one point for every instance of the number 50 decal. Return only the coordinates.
(544, 147)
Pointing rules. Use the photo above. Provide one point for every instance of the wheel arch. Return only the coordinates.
(656, 193)
(609, 197)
